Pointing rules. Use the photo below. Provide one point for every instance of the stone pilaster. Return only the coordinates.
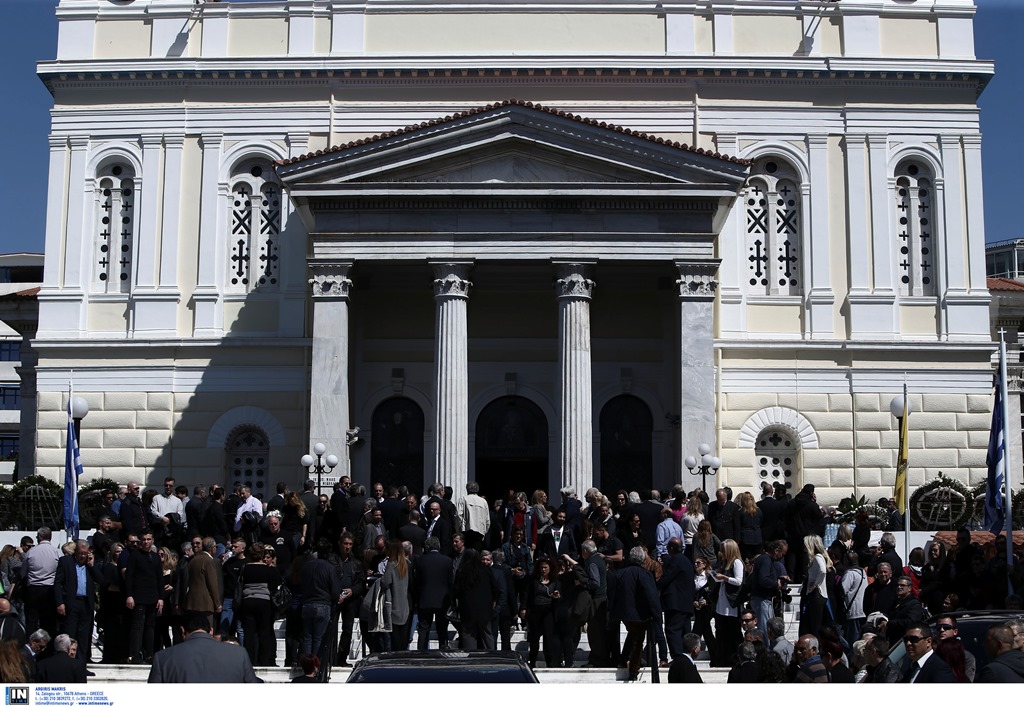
(574, 290)
(697, 286)
(451, 369)
(329, 400)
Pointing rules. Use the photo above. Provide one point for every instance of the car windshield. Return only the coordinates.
(440, 673)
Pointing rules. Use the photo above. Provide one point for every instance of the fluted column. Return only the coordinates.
(697, 286)
(451, 367)
(328, 401)
(574, 290)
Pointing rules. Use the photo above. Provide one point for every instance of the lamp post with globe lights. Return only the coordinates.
(319, 463)
(706, 466)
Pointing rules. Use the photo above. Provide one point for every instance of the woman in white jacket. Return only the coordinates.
(727, 614)
(815, 596)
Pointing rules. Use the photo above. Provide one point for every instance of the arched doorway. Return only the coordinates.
(626, 440)
(396, 444)
(511, 447)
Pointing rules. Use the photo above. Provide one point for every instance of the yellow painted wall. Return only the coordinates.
(492, 32)
(774, 318)
(108, 317)
(257, 37)
(704, 29)
(321, 35)
(909, 37)
(918, 320)
(759, 35)
(119, 39)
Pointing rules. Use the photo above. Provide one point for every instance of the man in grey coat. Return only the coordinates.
(202, 659)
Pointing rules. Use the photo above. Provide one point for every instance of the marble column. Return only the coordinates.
(697, 287)
(574, 290)
(328, 403)
(451, 368)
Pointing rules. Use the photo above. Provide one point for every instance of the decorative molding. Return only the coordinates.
(697, 279)
(330, 280)
(806, 437)
(245, 415)
(450, 279)
(572, 280)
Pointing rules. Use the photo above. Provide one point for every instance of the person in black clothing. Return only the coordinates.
(507, 607)
(476, 591)
(803, 516)
(259, 582)
(353, 586)
(321, 589)
(133, 515)
(724, 516)
(143, 578)
(214, 523)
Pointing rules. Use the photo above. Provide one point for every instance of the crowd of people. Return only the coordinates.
(675, 571)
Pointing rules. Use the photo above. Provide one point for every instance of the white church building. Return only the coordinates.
(527, 243)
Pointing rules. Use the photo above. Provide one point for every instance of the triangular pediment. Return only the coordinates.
(513, 143)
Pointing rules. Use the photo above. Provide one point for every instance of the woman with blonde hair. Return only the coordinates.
(751, 519)
(727, 610)
(813, 601)
(690, 521)
(541, 512)
(294, 523)
(167, 621)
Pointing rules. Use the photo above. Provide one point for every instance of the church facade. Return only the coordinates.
(531, 244)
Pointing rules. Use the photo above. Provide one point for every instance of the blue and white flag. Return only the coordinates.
(72, 470)
(995, 501)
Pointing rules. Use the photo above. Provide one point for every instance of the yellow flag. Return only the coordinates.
(899, 493)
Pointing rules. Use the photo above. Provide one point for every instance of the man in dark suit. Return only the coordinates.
(724, 516)
(506, 608)
(677, 588)
(926, 665)
(557, 539)
(683, 668)
(413, 533)
(650, 515)
(61, 668)
(772, 513)
(633, 600)
(437, 527)
(202, 659)
(432, 590)
(143, 578)
(391, 509)
(74, 589)
(195, 510)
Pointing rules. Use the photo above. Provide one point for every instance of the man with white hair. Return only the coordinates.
(475, 516)
(633, 600)
(573, 512)
(61, 668)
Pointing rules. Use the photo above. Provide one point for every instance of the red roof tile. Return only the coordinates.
(526, 104)
(1004, 284)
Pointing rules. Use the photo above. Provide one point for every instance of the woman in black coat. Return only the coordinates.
(539, 613)
(259, 582)
(704, 599)
(476, 591)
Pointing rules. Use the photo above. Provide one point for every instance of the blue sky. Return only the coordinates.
(30, 34)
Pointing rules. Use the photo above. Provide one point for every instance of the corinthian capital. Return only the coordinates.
(697, 279)
(572, 280)
(451, 279)
(330, 280)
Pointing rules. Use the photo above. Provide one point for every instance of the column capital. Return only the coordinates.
(330, 280)
(697, 279)
(451, 278)
(572, 282)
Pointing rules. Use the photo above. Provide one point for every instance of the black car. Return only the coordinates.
(971, 627)
(442, 667)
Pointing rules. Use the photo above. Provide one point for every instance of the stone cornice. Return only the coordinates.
(330, 280)
(451, 278)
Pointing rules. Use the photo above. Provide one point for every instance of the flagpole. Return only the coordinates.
(71, 402)
(1008, 492)
(905, 428)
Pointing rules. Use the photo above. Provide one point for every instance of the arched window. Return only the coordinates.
(115, 228)
(248, 457)
(626, 443)
(777, 457)
(396, 443)
(773, 215)
(255, 228)
(914, 224)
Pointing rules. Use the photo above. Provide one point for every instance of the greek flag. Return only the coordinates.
(995, 501)
(72, 470)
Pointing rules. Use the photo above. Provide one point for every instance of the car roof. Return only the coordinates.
(445, 657)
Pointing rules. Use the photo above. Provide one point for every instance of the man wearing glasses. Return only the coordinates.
(811, 668)
(947, 629)
(925, 665)
(906, 611)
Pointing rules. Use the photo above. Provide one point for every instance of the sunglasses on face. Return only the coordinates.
(913, 640)
(945, 627)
